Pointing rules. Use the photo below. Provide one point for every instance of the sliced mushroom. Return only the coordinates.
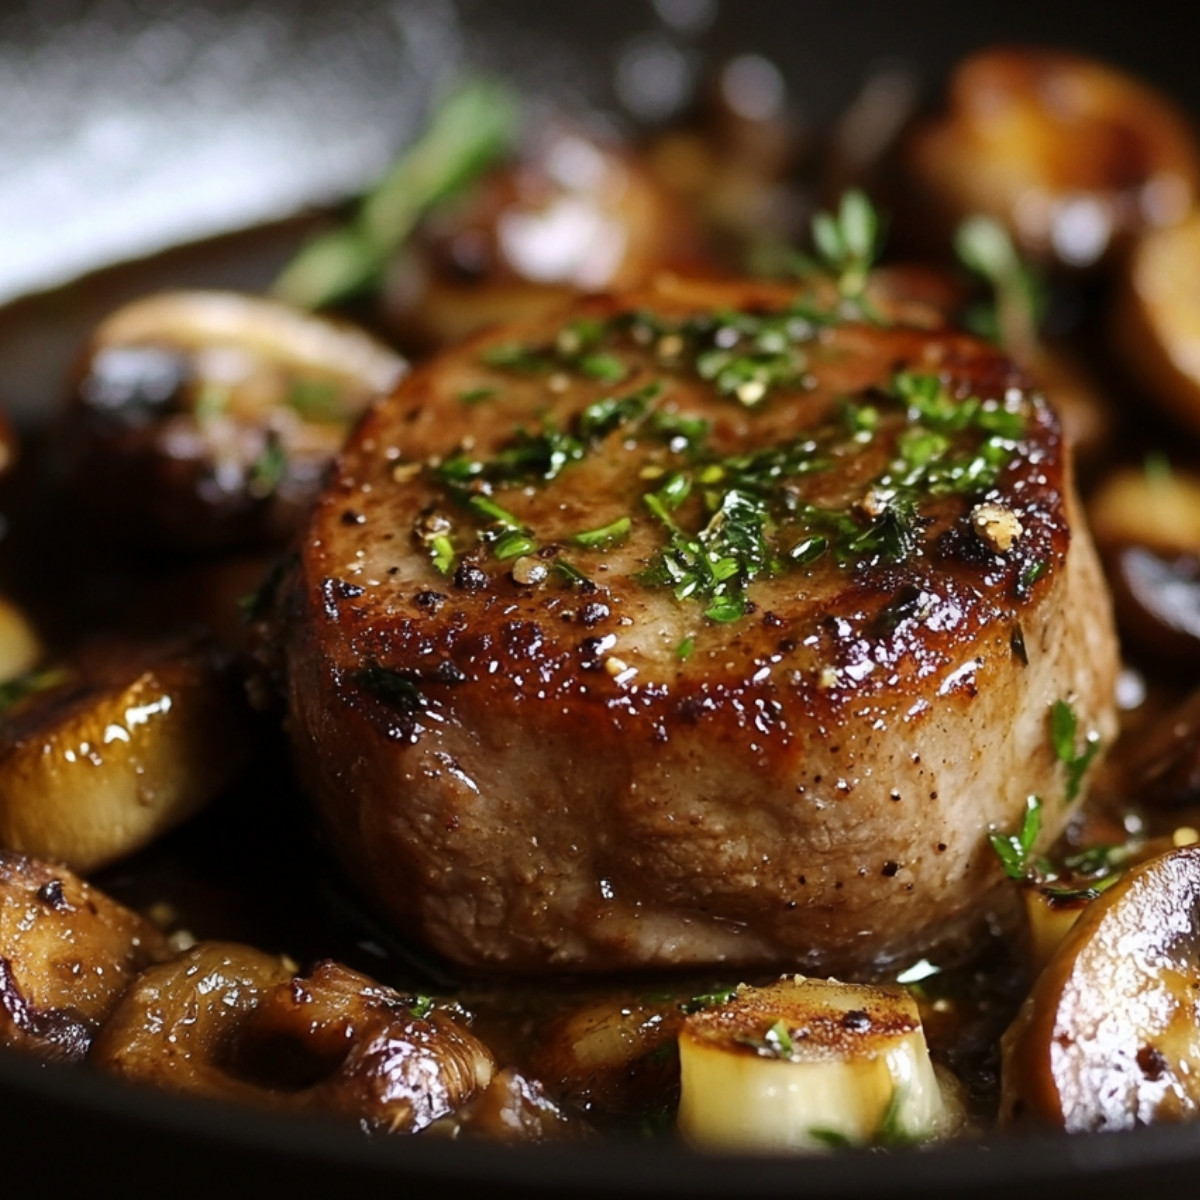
(512, 1108)
(207, 419)
(67, 952)
(231, 1022)
(98, 759)
(1156, 323)
(1070, 154)
(20, 647)
(613, 1058)
(1109, 1038)
(808, 1064)
(1147, 528)
(572, 214)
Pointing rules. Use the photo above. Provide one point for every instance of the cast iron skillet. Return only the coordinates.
(114, 108)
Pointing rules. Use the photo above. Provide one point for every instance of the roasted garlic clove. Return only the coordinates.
(1108, 1038)
(98, 759)
(1070, 154)
(228, 1021)
(808, 1064)
(67, 952)
(1156, 321)
(207, 419)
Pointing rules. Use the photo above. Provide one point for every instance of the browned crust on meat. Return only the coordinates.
(813, 786)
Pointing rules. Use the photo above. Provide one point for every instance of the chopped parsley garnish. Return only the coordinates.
(477, 395)
(684, 650)
(1014, 849)
(1064, 729)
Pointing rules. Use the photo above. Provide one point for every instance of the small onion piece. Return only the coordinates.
(98, 759)
(67, 953)
(20, 647)
(1109, 1038)
(206, 419)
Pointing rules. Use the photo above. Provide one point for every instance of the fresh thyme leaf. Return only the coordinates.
(398, 688)
(1064, 726)
(606, 535)
(477, 395)
(441, 550)
(29, 684)
(608, 368)
(832, 1138)
(1029, 576)
(513, 545)
(267, 471)
(1014, 849)
(848, 242)
(469, 131)
(1018, 298)
(421, 1006)
(317, 400)
(572, 574)
(684, 650)
(708, 1000)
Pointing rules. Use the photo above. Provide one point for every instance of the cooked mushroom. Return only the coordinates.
(1071, 154)
(512, 1108)
(207, 419)
(613, 1057)
(1156, 323)
(573, 214)
(67, 952)
(808, 1064)
(231, 1022)
(1147, 527)
(1107, 1038)
(98, 759)
(20, 647)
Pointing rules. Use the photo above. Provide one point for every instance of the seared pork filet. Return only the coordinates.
(702, 625)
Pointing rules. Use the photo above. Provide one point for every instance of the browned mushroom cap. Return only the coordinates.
(512, 1108)
(1107, 1039)
(207, 419)
(1156, 320)
(613, 1057)
(1147, 528)
(98, 759)
(348, 1045)
(177, 1026)
(1072, 155)
(67, 952)
(572, 215)
(230, 1022)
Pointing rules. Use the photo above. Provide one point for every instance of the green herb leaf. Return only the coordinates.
(469, 131)
(1064, 733)
(267, 471)
(606, 535)
(1014, 849)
